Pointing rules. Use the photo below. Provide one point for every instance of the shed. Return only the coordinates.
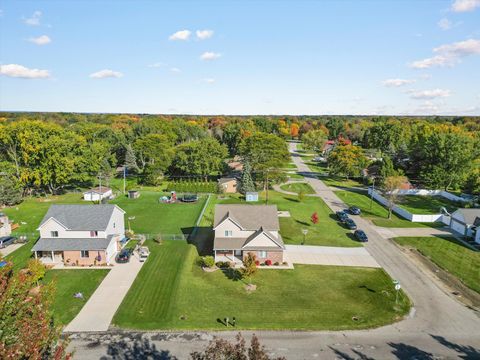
(133, 194)
(251, 196)
(98, 193)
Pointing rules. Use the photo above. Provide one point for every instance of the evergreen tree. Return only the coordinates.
(130, 158)
(246, 183)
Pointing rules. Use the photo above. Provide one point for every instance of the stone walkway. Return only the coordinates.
(327, 255)
(99, 310)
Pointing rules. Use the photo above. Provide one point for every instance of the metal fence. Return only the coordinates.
(183, 237)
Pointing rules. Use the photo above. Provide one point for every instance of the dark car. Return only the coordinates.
(7, 240)
(360, 235)
(354, 210)
(342, 216)
(349, 223)
(123, 256)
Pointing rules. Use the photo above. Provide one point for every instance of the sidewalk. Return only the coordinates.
(99, 310)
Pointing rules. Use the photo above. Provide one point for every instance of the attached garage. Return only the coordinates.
(464, 221)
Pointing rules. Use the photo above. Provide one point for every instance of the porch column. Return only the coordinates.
(53, 257)
(35, 254)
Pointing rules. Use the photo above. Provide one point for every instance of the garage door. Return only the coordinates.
(458, 227)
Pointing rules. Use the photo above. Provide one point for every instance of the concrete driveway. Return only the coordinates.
(9, 249)
(327, 255)
(99, 310)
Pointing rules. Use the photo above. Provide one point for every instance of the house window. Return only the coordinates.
(114, 225)
(84, 254)
(262, 254)
(228, 233)
(93, 233)
(54, 234)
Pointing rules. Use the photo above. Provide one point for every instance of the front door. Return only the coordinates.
(238, 252)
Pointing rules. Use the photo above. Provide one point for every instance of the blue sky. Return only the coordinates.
(259, 57)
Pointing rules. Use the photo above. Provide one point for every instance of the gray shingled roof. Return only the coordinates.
(98, 190)
(59, 244)
(231, 243)
(249, 217)
(226, 180)
(81, 217)
(469, 215)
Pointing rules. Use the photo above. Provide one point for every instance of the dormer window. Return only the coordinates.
(228, 233)
(54, 234)
(93, 233)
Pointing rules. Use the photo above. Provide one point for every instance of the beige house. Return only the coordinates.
(228, 184)
(80, 234)
(243, 229)
(5, 225)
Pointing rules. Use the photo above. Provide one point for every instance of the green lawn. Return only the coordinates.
(153, 217)
(171, 292)
(69, 282)
(327, 232)
(377, 212)
(297, 187)
(331, 180)
(425, 204)
(450, 255)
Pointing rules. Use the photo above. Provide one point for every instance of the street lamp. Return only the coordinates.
(305, 232)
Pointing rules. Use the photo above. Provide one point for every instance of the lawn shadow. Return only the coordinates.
(232, 274)
(291, 199)
(465, 351)
(138, 349)
(366, 287)
(302, 223)
(201, 237)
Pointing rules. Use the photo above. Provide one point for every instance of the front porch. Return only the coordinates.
(232, 256)
(49, 257)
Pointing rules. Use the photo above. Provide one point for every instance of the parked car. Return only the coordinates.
(342, 216)
(351, 224)
(143, 252)
(360, 235)
(354, 210)
(7, 240)
(123, 256)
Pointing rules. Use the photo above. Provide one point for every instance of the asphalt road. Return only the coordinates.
(438, 327)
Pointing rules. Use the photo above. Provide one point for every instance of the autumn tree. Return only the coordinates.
(314, 218)
(391, 185)
(27, 329)
(294, 130)
(249, 267)
(314, 140)
(346, 160)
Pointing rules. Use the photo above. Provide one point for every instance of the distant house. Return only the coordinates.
(243, 229)
(251, 196)
(80, 234)
(98, 194)
(5, 225)
(228, 184)
(235, 164)
(466, 222)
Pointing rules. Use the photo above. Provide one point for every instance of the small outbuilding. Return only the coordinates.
(228, 184)
(251, 196)
(98, 194)
(133, 194)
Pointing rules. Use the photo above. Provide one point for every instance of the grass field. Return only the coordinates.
(331, 180)
(425, 204)
(327, 232)
(377, 212)
(450, 255)
(297, 187)
(171, 292)
(69, 282)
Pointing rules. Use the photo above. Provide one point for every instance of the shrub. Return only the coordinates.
(257, 262)
(158, 238)
(208, 261)
(276, 263)
(285, 263)
(223, 264)
(268, 262)
(262, 264)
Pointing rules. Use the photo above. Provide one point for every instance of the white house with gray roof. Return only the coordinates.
(466, 222)
(243, 229)
(80, 234)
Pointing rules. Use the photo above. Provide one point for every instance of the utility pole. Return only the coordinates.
(266, 187)
(124, 171)
(371, 197)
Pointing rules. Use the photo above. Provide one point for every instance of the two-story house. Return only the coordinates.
(80, 234)
(243, 229)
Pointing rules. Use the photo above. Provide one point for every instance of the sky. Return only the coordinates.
(241, 57)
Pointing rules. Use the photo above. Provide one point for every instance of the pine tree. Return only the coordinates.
(130, 158)
(246, 184)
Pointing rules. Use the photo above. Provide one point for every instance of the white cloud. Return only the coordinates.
(106, 73)
(175, 70)
(465, 5)
(449, 54)
(397, 82)
(41, 40)
(34, 20)
(180, 35)
(425, 76)
(444, 24)
(209, 80)
(204, 34)
(20, 71)
(156, 65)
(429, 94)
(208, 55)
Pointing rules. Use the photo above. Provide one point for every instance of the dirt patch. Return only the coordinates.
(209, 269)
(250, 288)
(451, 284)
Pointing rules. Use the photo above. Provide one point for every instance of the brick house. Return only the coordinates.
(80, 234)
(243, 229)
(228, 185)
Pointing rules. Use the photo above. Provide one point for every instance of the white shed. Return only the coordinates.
(98, 194)
(464, 221)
